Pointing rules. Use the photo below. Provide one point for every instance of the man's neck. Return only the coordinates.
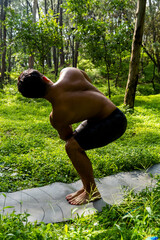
(50, 93)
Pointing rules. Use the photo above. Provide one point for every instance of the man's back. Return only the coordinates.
(76, 99)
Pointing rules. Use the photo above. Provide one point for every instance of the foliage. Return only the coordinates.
(37, 38)
(98, 31)
(104, 38)
(152, 33)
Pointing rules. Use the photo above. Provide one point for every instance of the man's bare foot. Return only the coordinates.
(82, 197)
(75, 194)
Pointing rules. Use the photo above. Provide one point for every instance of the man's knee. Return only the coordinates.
(72, 145)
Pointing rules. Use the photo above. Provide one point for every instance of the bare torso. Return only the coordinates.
(75, 99)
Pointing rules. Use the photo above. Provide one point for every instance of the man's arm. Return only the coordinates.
(65, 131)
(86, 76)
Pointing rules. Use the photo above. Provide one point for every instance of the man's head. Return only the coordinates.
(32, 84)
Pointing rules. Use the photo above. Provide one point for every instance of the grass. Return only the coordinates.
(135, 219)
(31, 155)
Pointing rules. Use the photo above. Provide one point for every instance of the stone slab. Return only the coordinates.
(48, 204)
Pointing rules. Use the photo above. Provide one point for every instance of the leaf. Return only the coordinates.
(119, 228)
(149, 210)
(66, 228)
(8, 207)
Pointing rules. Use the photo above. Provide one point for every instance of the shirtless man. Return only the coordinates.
(75, 99)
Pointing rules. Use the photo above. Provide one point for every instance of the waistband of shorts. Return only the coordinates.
(117, 111)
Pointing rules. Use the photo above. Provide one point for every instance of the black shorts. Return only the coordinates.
(91, 134)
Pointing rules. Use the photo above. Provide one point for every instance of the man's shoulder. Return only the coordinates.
(70, 77)
(70, 70)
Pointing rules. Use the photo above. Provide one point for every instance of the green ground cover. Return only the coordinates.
(31, 154)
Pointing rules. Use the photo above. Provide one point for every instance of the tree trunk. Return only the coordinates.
(35, 3)
(27, 7)
(48, 57)
(55, 60)
(52, 4)
(119, 70)
(31, 58)
(108, 81)
(9, 56)
(1, 19)
(61, 24)
(157, 54)
(9, 51)
(153, 84)
(76, 53)
(74, 44)
(4, 45)
(73, 51)
(46, 8)
(135, 55)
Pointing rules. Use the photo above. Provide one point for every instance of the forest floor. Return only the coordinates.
(32, 155)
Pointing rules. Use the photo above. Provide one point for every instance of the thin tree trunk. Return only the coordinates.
(35, 2)
(157, 54)
(135, 55)
(119, 70)
(153, 84)
(48, 57)
(55, 50)
(1, 18)
(72, 44)
(31, 58)
(108, 81)
(76, 53)
(61, 24)
(52, 4)
(28, 5)
(4, 45)
(9, 57)
(46, 8)
(55, 60)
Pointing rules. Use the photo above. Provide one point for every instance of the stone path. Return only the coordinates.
(48, 203)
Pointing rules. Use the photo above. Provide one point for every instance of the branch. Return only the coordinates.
(149, 55)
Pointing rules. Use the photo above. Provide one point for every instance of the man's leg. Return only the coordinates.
(84, 168)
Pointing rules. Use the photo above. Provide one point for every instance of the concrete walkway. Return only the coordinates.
(48, 204)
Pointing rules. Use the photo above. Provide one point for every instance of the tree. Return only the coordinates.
(100, 31)
(151, 43)
(35, 38)
(1, 21)
(4, 44)
(104, 28)
(31, 58)
(135, 55)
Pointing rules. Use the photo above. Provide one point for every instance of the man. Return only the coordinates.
(75, 99)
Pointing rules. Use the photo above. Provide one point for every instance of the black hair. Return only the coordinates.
(31, 84)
